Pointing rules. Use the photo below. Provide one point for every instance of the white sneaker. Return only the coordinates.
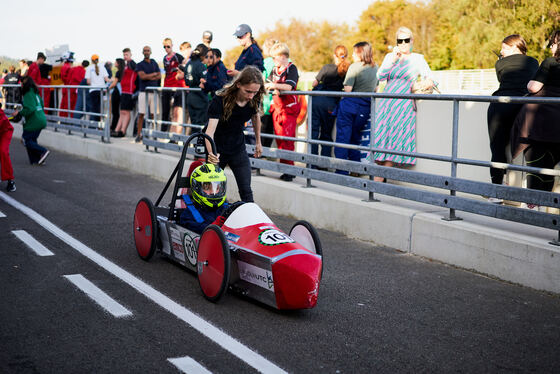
(44, 157)
(495, 200)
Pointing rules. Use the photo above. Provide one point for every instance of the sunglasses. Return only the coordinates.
(401, 41)
(166, 46)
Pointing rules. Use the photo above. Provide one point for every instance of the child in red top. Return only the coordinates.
(6, 170)
(285, 108)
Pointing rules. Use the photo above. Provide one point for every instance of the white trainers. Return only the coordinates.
(495, 200)
(44, 157)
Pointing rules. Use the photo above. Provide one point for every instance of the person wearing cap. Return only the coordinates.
(96, 77)
(251, 55)
(207, 38)
(68, 59)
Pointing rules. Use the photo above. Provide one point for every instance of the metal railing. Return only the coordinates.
(308, 164)
(70, 119)
(468, 201)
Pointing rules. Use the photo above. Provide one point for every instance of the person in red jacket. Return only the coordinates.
(40, 79)
(68, 59)
(128, 86)
(6, 169)
(77, 74)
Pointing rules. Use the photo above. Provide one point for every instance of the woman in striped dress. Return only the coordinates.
(395, 120)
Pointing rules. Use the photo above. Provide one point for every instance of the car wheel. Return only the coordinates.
(145, 229)
(305, 234)
(213, 263)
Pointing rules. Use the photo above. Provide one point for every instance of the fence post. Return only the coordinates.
(107, 109)
(183, 104)
(308, 135)
(371, 197)
(455, 136)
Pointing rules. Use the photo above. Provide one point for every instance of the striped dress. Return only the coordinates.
(395, 119)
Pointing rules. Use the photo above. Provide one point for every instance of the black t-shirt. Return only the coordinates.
(549, 73)
(229, 137)
(329, 79)
(514, 72)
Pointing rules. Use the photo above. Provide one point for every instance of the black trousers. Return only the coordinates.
(323, 123)
(166, 97)
(542, 155)
(115, 108)
(267, 127)
(500, 121)
(241, 168)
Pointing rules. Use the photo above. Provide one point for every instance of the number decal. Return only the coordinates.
(274, 237)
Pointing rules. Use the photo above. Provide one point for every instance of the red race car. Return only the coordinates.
(248, 254)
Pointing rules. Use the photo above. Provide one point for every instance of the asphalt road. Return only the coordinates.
(379, 310)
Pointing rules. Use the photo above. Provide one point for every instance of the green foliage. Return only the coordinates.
(311, 44)
(467, 31)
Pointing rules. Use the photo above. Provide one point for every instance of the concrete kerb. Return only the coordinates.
(496, 250)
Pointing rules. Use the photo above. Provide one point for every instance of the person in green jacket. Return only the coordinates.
(35, 121)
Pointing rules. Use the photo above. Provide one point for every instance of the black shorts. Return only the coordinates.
(178, 98)
(127, 103)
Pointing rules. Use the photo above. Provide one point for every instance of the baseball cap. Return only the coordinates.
(242, 30)
(94, 57)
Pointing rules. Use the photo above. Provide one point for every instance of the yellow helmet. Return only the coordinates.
(208, 186)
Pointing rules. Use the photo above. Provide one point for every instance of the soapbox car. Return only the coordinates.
(248, 254)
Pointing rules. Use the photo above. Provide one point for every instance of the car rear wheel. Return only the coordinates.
(305, 234)
(213, 263)
(145, 229)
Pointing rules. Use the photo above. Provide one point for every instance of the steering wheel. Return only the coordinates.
(231, 208)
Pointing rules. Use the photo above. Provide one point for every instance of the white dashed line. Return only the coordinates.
(188, 365)
(32, 243)
(96, 294)
(2, 215)
(213, 333)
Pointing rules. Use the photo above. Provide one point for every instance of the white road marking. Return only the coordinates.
(213, 333)
(188, 365)
(96, 294)
(2, 215)
(32, 243)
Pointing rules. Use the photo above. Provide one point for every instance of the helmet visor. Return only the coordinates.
(212, 190)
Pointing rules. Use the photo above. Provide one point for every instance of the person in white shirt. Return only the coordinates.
(97, 77)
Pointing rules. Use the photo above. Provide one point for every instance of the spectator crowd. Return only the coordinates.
(401, 71)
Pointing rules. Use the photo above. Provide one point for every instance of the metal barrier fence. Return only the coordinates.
(72, 120)
(469, 201)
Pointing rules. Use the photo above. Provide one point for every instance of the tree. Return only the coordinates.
(467, 31)
(379, 23)
(311, 44)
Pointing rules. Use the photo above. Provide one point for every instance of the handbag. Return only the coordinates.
(424, 86)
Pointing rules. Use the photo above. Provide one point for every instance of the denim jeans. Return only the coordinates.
(34, 150)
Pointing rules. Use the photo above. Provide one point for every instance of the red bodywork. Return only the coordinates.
(296, 271)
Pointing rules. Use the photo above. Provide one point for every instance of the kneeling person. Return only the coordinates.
(207, 201)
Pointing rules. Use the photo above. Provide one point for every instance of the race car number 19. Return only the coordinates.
(274, 237)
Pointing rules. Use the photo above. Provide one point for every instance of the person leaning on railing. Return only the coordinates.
(330, 78)
(284, 108)
(353, 113)
(514, 69)
(536, 130)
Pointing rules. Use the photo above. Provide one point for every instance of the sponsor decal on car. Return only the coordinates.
(190, 244)
(176, 243)
(274, 237)
(232, 237)
(256, 275)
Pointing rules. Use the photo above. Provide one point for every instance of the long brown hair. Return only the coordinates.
(248, 75)
(341, 52)
(364, 50)
(555, 39)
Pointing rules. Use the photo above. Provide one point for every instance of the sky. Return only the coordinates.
(105, 27)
